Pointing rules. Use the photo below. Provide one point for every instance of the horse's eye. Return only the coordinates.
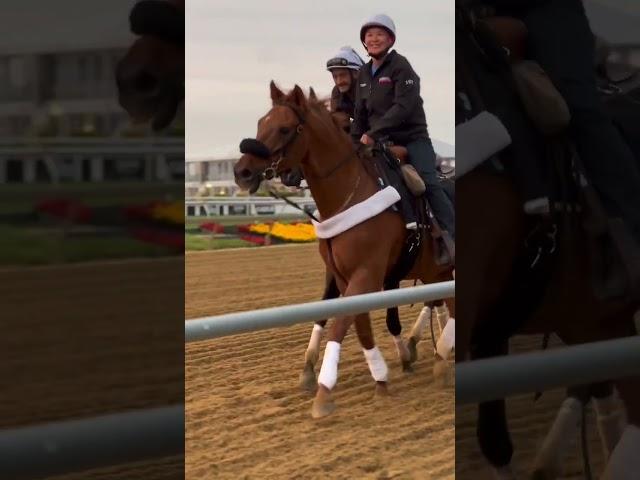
(284, 130)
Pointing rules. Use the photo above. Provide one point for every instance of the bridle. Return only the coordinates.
(257, 148)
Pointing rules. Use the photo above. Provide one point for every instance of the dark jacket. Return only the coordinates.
(388, 104)
(344, 102)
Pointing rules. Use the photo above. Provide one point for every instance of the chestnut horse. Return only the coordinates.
(300, 133)
(492, 232)
(150, 77)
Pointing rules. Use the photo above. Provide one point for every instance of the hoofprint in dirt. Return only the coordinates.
(246, 416)
(530, 422)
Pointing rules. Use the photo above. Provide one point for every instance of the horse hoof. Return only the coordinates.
(407, 367)
(321, 410)
(544, 474)
(413, 350)
(381, 389)
(322, 405)
(443, 373)
(308, 382)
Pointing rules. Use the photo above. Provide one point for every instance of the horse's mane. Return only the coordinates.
(318, 108)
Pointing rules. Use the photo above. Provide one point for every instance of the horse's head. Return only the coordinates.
(150, 77)
(281, 144)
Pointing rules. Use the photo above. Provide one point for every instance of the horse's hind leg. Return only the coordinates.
(624, 463)
(562, 435)
(610, 415)
(308, 375)
(418, 330)
(493, 431)
(395, 329)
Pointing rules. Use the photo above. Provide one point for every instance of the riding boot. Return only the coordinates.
(423, 158)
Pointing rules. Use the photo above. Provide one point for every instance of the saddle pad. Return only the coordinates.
(357, 214)
(479, 139)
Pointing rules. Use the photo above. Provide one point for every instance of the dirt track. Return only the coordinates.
(529, 422)
(89, 339)
(246, 417)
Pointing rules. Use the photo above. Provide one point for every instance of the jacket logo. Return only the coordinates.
(384, 80)
(363, 84)
(408, 82)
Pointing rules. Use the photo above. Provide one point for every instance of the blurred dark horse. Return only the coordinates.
(528, 293)
(150, 77)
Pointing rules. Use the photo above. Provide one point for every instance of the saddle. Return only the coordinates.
(414, 201)
(614, 268)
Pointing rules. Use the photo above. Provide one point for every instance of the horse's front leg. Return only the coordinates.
(308, 375)
(363, 281)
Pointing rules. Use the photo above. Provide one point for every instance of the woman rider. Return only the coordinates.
(389, 106)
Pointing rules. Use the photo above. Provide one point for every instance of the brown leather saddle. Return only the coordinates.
(442, 242)
(615, 258)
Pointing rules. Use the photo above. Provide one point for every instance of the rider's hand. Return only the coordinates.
(366, 140)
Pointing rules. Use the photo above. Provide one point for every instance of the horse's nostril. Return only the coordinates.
(245, 173)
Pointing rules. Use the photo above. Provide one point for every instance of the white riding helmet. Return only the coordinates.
(381, 20)
(347, 57)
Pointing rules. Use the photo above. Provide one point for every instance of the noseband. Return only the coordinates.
(160, 19)
(255, 147)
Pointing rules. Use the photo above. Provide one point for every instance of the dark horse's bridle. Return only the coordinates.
(160, 19)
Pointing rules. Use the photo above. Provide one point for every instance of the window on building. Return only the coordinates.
(82, 69)
(17, 74)
(97, 67)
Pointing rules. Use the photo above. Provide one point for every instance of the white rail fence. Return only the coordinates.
(231, 324)
(494, 378)
(43, 450)
(40, 451)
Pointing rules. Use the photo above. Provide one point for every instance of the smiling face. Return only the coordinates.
(377, 41)
(342, 78)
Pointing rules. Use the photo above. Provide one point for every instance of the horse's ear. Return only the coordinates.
(312, 95)
(298, 98)
(276, 93)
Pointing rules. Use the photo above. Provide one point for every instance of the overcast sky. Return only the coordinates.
(234, 48)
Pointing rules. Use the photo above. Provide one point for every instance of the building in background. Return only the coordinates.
(59, 115)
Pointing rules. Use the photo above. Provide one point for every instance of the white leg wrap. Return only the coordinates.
(421, 323)
(442, 316)
(329, 370)
(611, 422)
(561, 436)
(401, 347)
(377, 365)
(624, 463)
(316, 337)
(447, 340)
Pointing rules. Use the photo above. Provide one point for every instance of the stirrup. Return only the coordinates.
(412, 226)
(537, 206)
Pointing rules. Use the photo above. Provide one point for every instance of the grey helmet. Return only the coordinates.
(380, 20)
(346, 57)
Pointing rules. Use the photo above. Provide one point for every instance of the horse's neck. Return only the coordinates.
(347, 185)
